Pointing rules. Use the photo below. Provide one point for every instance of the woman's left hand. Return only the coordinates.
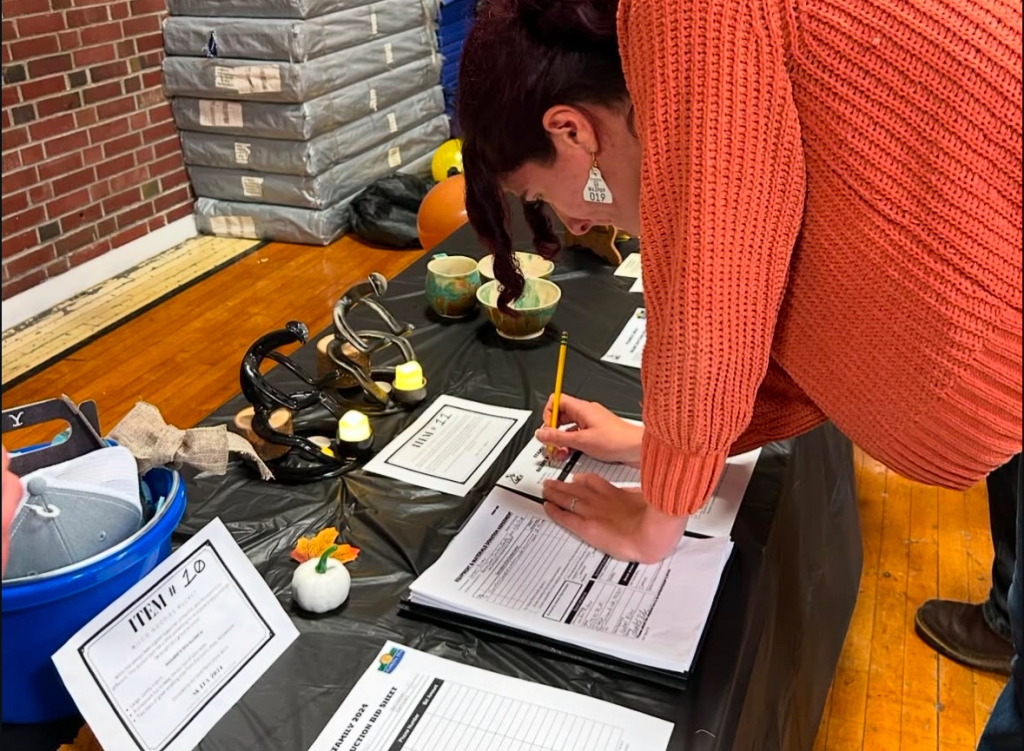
(616, 521)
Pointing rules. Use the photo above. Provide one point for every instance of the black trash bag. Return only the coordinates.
(385, 213)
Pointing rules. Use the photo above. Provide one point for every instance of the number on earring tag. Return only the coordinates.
(596, 190)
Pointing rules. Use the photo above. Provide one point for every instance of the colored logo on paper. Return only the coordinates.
(389, 661)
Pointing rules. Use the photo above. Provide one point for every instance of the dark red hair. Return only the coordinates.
(520, 58)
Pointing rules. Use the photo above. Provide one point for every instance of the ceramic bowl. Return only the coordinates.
(535, 308)
(532, 265)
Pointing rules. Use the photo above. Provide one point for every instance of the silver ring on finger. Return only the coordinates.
(572, 506)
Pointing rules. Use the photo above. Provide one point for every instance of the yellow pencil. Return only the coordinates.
(558, 384)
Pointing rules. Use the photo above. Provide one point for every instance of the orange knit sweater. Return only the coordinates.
(831, 226)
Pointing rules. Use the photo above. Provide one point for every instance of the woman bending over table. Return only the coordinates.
(828, 197)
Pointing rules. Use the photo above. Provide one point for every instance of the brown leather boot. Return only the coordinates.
(959, 631)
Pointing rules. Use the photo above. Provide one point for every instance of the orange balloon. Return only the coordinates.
(442, 211)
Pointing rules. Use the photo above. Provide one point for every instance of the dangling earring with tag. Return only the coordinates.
(596, 190)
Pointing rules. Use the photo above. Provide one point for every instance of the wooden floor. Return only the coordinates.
(44, 338)
(891, 692)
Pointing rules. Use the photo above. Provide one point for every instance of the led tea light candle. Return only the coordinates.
(409, 376)
(410, 386)
(324, 443)
(354, 433)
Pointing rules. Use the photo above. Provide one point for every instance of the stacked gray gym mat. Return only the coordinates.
(289, 108)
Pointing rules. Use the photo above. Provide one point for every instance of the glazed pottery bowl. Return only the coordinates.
(452, 283)
(532, 265)
(534, 308)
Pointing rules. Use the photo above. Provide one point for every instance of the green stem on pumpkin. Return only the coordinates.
(321, 567)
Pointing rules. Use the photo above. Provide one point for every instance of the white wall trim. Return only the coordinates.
(58, 289)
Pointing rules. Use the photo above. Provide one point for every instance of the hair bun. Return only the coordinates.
(570, 22)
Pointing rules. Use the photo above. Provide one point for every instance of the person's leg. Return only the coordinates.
(1002, 511)
(1005, 728)
(978, 635)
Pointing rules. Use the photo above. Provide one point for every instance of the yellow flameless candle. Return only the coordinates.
(408, 376)
(323, 443)
(354, 427)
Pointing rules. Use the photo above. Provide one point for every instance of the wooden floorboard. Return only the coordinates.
(890, 691)
(920, 662)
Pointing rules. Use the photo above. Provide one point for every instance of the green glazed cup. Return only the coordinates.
(452, 282)
(535, 308)
(532, 265)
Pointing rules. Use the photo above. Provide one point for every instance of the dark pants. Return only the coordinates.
(1002, 512)
(1005, 728)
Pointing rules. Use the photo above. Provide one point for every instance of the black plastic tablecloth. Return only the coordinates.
(771, 647)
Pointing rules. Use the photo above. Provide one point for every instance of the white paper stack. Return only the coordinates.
(512, 566)
(715, 518)
(408, 699)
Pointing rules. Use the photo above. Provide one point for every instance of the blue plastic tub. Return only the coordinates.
(41, 614)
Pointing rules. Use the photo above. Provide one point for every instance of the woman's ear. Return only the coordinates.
(569, 127)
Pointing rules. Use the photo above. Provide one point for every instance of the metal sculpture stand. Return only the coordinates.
(375, 382)
(266, 398)
(306, 460)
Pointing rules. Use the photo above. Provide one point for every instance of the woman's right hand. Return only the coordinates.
(599, 433)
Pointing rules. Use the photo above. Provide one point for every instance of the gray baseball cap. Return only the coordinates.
(73, 511)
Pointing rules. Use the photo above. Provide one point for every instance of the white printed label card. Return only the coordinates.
(450, 447)
(628, 347)
(158, 668)
(630, 267)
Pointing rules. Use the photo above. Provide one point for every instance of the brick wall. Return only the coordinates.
(91, 158)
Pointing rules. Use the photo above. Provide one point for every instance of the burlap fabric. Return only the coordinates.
(154, 443)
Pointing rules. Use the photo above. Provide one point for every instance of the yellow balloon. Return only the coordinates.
(447, 157)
